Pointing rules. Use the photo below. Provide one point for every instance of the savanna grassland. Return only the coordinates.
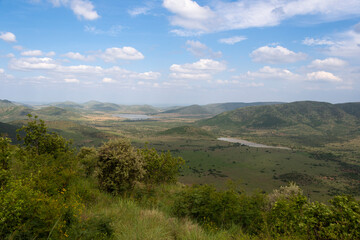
(222, 191)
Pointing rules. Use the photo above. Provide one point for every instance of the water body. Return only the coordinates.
(250, 144)
(134, 117)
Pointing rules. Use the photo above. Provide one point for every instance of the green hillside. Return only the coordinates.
(189, 110)
(218, 108)
(10, 111)
(305, 123)
(215, 108)
(187, 131)
(8, 130)
(68, 105)
(351, 108)
(312, 114)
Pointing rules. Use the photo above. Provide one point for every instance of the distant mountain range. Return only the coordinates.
(216, 108)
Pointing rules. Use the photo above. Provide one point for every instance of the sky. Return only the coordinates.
(166, 52)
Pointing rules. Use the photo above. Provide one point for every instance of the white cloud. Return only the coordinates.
(188, 14)
(8, 37)
(203, 65)
(108, 80)
(323, 76)
(274, 55)
(241, 14)
(271, 73)
(347, 45)
(328, 63)
(138, 11)
(202, 69)
(232, 40)
(113, 31)
(83, 9)
(314, 42)
(18, 47)
(50, 54)
(199, 49)
(190, 75)
(2, 70)
(146, 75)
(33, 63)
(126, 53)
(78, 56)
(10, 55)
(71, 80)
(32, 53)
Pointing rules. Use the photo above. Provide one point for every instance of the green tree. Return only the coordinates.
(39, 141)
(160, 167)
(120, 166)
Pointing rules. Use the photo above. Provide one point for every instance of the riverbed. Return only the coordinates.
(250, 144)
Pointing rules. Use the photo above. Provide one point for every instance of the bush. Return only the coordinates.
(88, 160)
(39, 141)
(120, 166)
(220, 208)
(160, 168)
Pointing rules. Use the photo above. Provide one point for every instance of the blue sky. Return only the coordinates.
(179, 51)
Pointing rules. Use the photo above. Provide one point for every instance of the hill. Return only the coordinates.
(68, 105)
(313, 114)
(8, 130)
(306, 123)
(10, 111)
(215, 108)
(351, 108)
(187, 131)
(189, 110)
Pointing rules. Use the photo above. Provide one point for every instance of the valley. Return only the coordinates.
(313, 144)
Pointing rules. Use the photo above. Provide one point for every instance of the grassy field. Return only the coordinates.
(323, 163)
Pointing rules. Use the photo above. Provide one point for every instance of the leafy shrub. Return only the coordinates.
(120, 166)
(88, 160)
(39, 141)
(220, 208)
(160, 168)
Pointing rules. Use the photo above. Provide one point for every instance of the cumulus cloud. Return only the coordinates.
(240, 14)
(2, 70)
(202, 69)
(78, 56)
(315, 42)
(274, 55)
(138, 11)
(33, 63)
(113, 31)
(126, 53)
(323, 76)
(346, 45)
(71, 80)
(199, 49)
(83, 9)
(328, 63)
(8, 37)
(232, 40)
(271, 73)
(33, 53)
(50, 67)
(108, 80)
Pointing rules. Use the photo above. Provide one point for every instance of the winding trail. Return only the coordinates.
(250, 144)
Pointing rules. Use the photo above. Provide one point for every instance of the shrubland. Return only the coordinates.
(50, 190)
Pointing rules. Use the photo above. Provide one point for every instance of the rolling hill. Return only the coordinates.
(215, 108)
(305, 123)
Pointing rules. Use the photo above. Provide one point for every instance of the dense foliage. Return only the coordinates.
(120, 166)
(47, 191)
(291, 215)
